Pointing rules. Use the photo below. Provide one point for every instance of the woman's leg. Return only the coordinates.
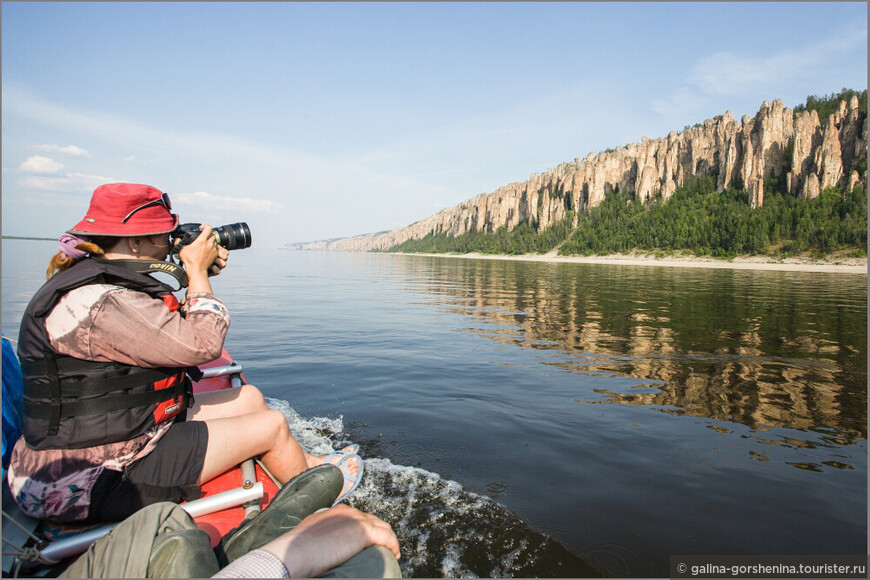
(240, 426)
(227, 403)
(232, 440)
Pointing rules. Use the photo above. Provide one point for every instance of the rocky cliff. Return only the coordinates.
(813, 154)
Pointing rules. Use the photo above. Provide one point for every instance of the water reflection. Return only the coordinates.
(762, 349)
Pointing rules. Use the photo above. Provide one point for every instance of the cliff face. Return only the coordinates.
(813, 155)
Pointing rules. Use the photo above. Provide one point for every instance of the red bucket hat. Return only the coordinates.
(127, 209)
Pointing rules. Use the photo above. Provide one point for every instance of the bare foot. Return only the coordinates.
(352, 464)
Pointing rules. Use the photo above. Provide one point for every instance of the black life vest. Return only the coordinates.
(72, 403)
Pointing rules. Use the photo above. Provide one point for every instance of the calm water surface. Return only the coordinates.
(528, 419)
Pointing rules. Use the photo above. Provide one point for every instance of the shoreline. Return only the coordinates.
(798, 264)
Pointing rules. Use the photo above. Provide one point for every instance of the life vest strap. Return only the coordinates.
(54, 390)
(85, 387)
(65, 364)
(93, 406)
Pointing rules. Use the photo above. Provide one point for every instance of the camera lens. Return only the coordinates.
(234, 236)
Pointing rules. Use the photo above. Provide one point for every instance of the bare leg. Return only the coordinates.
(227, 403)
(232, 440)
(233, 403)
(240, 426)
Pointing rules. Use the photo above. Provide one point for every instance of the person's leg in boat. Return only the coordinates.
(267, 434)
(227, 403)
(194, 452)
(263, 434)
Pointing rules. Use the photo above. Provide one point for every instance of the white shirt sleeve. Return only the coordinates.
(256, 564)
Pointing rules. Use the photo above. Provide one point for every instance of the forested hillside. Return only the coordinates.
(705, 222)
(696, 217)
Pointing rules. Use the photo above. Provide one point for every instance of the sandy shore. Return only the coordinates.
(798, 264)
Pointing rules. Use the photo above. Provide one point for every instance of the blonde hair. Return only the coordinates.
(60, 261)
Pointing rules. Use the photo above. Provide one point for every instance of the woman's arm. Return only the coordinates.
(107, 323)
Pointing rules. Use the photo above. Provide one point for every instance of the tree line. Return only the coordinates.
(704, 222)
(826, 105)
(695, 219)
(525, 238)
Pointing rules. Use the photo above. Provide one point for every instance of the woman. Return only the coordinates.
(110, 424)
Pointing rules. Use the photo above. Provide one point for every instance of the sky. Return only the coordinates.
(314, 121)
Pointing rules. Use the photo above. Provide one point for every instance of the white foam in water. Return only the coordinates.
(419, 503)
(443, 529)
(395, 493)
(315, 434)
(451, 566)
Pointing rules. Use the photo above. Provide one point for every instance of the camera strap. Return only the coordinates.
(154, 266)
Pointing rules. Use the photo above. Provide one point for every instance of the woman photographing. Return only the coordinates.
(110, 424)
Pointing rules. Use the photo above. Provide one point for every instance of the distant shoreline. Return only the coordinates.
(28, 238)
(796, 264)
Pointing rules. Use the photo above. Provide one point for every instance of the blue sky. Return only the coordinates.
(320, 120)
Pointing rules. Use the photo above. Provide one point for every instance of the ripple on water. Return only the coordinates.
(496, 487)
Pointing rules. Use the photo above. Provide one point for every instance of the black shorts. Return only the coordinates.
(168, 473)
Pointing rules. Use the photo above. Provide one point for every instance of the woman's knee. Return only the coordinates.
(277, 425)
(252, 399)
(263, 431)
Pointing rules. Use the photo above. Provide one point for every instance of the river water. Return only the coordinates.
(533, 419)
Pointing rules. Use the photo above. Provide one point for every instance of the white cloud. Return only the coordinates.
(681, 101)
(40, 164)
(204, 199)
(738, 74)
(70, 182)
(70, 150)
(730, 73)
(329, 196)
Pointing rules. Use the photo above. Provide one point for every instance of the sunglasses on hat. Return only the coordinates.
(162, 200)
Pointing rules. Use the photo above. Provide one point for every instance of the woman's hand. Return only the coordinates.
(203, 258)
(220, 262)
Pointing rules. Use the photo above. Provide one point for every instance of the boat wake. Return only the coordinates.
(444, 530)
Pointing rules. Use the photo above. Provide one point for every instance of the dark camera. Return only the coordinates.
(231, 236)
